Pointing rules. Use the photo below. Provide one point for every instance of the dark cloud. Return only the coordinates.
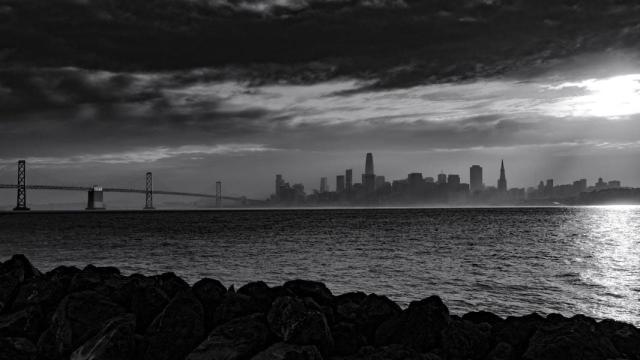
(398, 43)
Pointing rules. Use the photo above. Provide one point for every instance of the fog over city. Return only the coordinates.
(274, 92)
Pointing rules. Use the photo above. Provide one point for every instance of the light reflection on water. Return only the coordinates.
(506, 260)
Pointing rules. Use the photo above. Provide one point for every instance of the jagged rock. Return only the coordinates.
(502, 351)
(373, 311)
(114, 342)
(78, 317)
(284, 351)
(392, 352)
(177, 330)
(347, 305)
(569, 339)
(299, 322)
(517, 330)
(25, 323)
(625, 337)
(16, 349)
(63, 274)
(170, 283)
(347, 338)
(463, 340)
(237, 339)
(43, 292)
(233, 306)
(92, 277)
(479, 317)
(260, 292)
(419, 326)
(13, 272)
(313, 289)
(147, 301)
(210, 292)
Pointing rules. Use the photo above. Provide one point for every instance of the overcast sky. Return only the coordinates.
(85, 109)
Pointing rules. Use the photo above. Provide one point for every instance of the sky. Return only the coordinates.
(238, 91)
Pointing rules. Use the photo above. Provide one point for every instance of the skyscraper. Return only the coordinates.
(475, 178)
(442, 178)
(340, 183)
(323, 185)
(348, 180)
(368, 166)
(453, 179)
(502, 182)
(279, 183)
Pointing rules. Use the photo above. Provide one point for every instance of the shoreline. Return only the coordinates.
(98, 313)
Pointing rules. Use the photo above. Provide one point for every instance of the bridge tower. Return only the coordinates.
(95, 198)
(218, 194)
(21, 203)
(148, 192)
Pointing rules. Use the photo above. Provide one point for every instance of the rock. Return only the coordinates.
(347, 306)
(43, 292)
(63, 274)
(392, 352)
(373, 311)
(479, 317)
(569, 339)
(92, 277)
(177, 330)
(299, 322)
(284, 351)
(25, 323)
(347, 339)
(625, 337)
(114, 342)
(233, 306)
(260, 293)
(78, 317)
(502, 351)
(313, 289)
(237, 339)
(419, 326)
(170, 283)
(147, 301)
(13, 272)
(17, 349)
(463, 340)
(210, 292)
(516, 331)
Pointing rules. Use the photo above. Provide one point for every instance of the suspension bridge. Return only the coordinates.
(95, 194)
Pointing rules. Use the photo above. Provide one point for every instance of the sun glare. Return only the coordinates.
(611, 97)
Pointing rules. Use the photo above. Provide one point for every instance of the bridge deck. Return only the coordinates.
(124, 190)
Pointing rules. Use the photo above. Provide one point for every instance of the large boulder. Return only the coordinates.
(392, 352)
(114, 342)
(419, 326)
(177, 330)
(78, 317)
(147, 301)
(517, 330)
(25, 323)
(347, 306)
(210, 292)
(260, 292)
(569, 339)
(313, 289)
(463, 340)
(92, 277)
(42, 291)
(237, 339)
(13, 272)
(301, 322)
(170, 283)
(479, 317)
(17, 349)
(233, 306)
(373, 311)
(284, 351)
(502, 351)
(347, 338)
(625, 337)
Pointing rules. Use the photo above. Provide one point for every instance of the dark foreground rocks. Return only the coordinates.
(96, 313)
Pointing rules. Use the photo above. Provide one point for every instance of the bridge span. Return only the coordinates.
(95, 193)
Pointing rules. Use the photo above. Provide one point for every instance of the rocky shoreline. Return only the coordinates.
(96, 313)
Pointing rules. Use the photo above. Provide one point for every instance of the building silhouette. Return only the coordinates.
(348, 185)
(475, 178)
(442, 178)
(502, 182)
(369, 177)
(340, 183)
(368, 166)
(323, 185)
(453, 179)
(279, 183)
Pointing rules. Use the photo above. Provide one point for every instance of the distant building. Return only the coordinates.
(429, 180)
(369, 177)
(324, 187)
(340, 183)
(348, 185)
(442, 178)
(614, 184)
(475, 178)
(580, 185)
(502, 182)
(601, 184)
(414, 179)
(453, 179)
(368, 166)
(279, 183)
(380, 180)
